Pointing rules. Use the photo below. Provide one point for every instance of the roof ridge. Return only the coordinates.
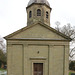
(29, 26)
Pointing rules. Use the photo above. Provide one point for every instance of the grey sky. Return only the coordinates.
(13, 14)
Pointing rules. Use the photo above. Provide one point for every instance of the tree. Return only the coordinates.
(2, 44)
(72, 65)
(3, 58)
(68, 30)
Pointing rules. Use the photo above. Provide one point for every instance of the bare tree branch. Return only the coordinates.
(69, 31)
(72, 50)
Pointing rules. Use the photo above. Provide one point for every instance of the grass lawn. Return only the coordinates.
(2, 69)
(70, 73)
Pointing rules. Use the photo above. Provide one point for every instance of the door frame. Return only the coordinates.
(37, 61)
(39, 67)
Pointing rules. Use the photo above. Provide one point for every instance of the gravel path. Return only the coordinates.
(3, 72)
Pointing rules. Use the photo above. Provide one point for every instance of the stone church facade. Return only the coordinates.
(37, 49)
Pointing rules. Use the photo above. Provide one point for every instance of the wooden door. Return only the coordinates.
(38, 68)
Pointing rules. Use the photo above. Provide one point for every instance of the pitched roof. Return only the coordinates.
(48, 27)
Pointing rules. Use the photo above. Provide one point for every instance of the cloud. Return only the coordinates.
(13, 14)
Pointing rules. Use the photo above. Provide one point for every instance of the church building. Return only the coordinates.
(37, 49)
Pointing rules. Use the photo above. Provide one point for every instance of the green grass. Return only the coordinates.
(70, 73)
(2, 69)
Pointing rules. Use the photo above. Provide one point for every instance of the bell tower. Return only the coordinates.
(38, 10)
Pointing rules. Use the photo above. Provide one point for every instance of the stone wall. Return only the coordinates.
(22, 55)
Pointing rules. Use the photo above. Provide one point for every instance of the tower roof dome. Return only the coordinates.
(38, 1)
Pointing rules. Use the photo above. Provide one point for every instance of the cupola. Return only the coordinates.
(38, 10)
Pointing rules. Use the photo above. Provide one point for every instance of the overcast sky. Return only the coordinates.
(13, 14)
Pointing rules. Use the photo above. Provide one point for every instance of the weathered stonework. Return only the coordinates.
(23, 47)
(36, 18)
(37, 43)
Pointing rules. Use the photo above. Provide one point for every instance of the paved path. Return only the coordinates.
(3, 72)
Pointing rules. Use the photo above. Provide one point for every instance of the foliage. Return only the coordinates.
(0, 63)
(2, 44)
(72, 65)
(1, 69)
(68, 30)
(3, 57)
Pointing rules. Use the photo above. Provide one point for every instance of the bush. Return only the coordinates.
(72, 65)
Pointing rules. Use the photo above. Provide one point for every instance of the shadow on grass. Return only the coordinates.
(71, 72)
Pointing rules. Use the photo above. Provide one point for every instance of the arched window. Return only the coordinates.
(46, 14)
(38, 12)
(30, 14)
